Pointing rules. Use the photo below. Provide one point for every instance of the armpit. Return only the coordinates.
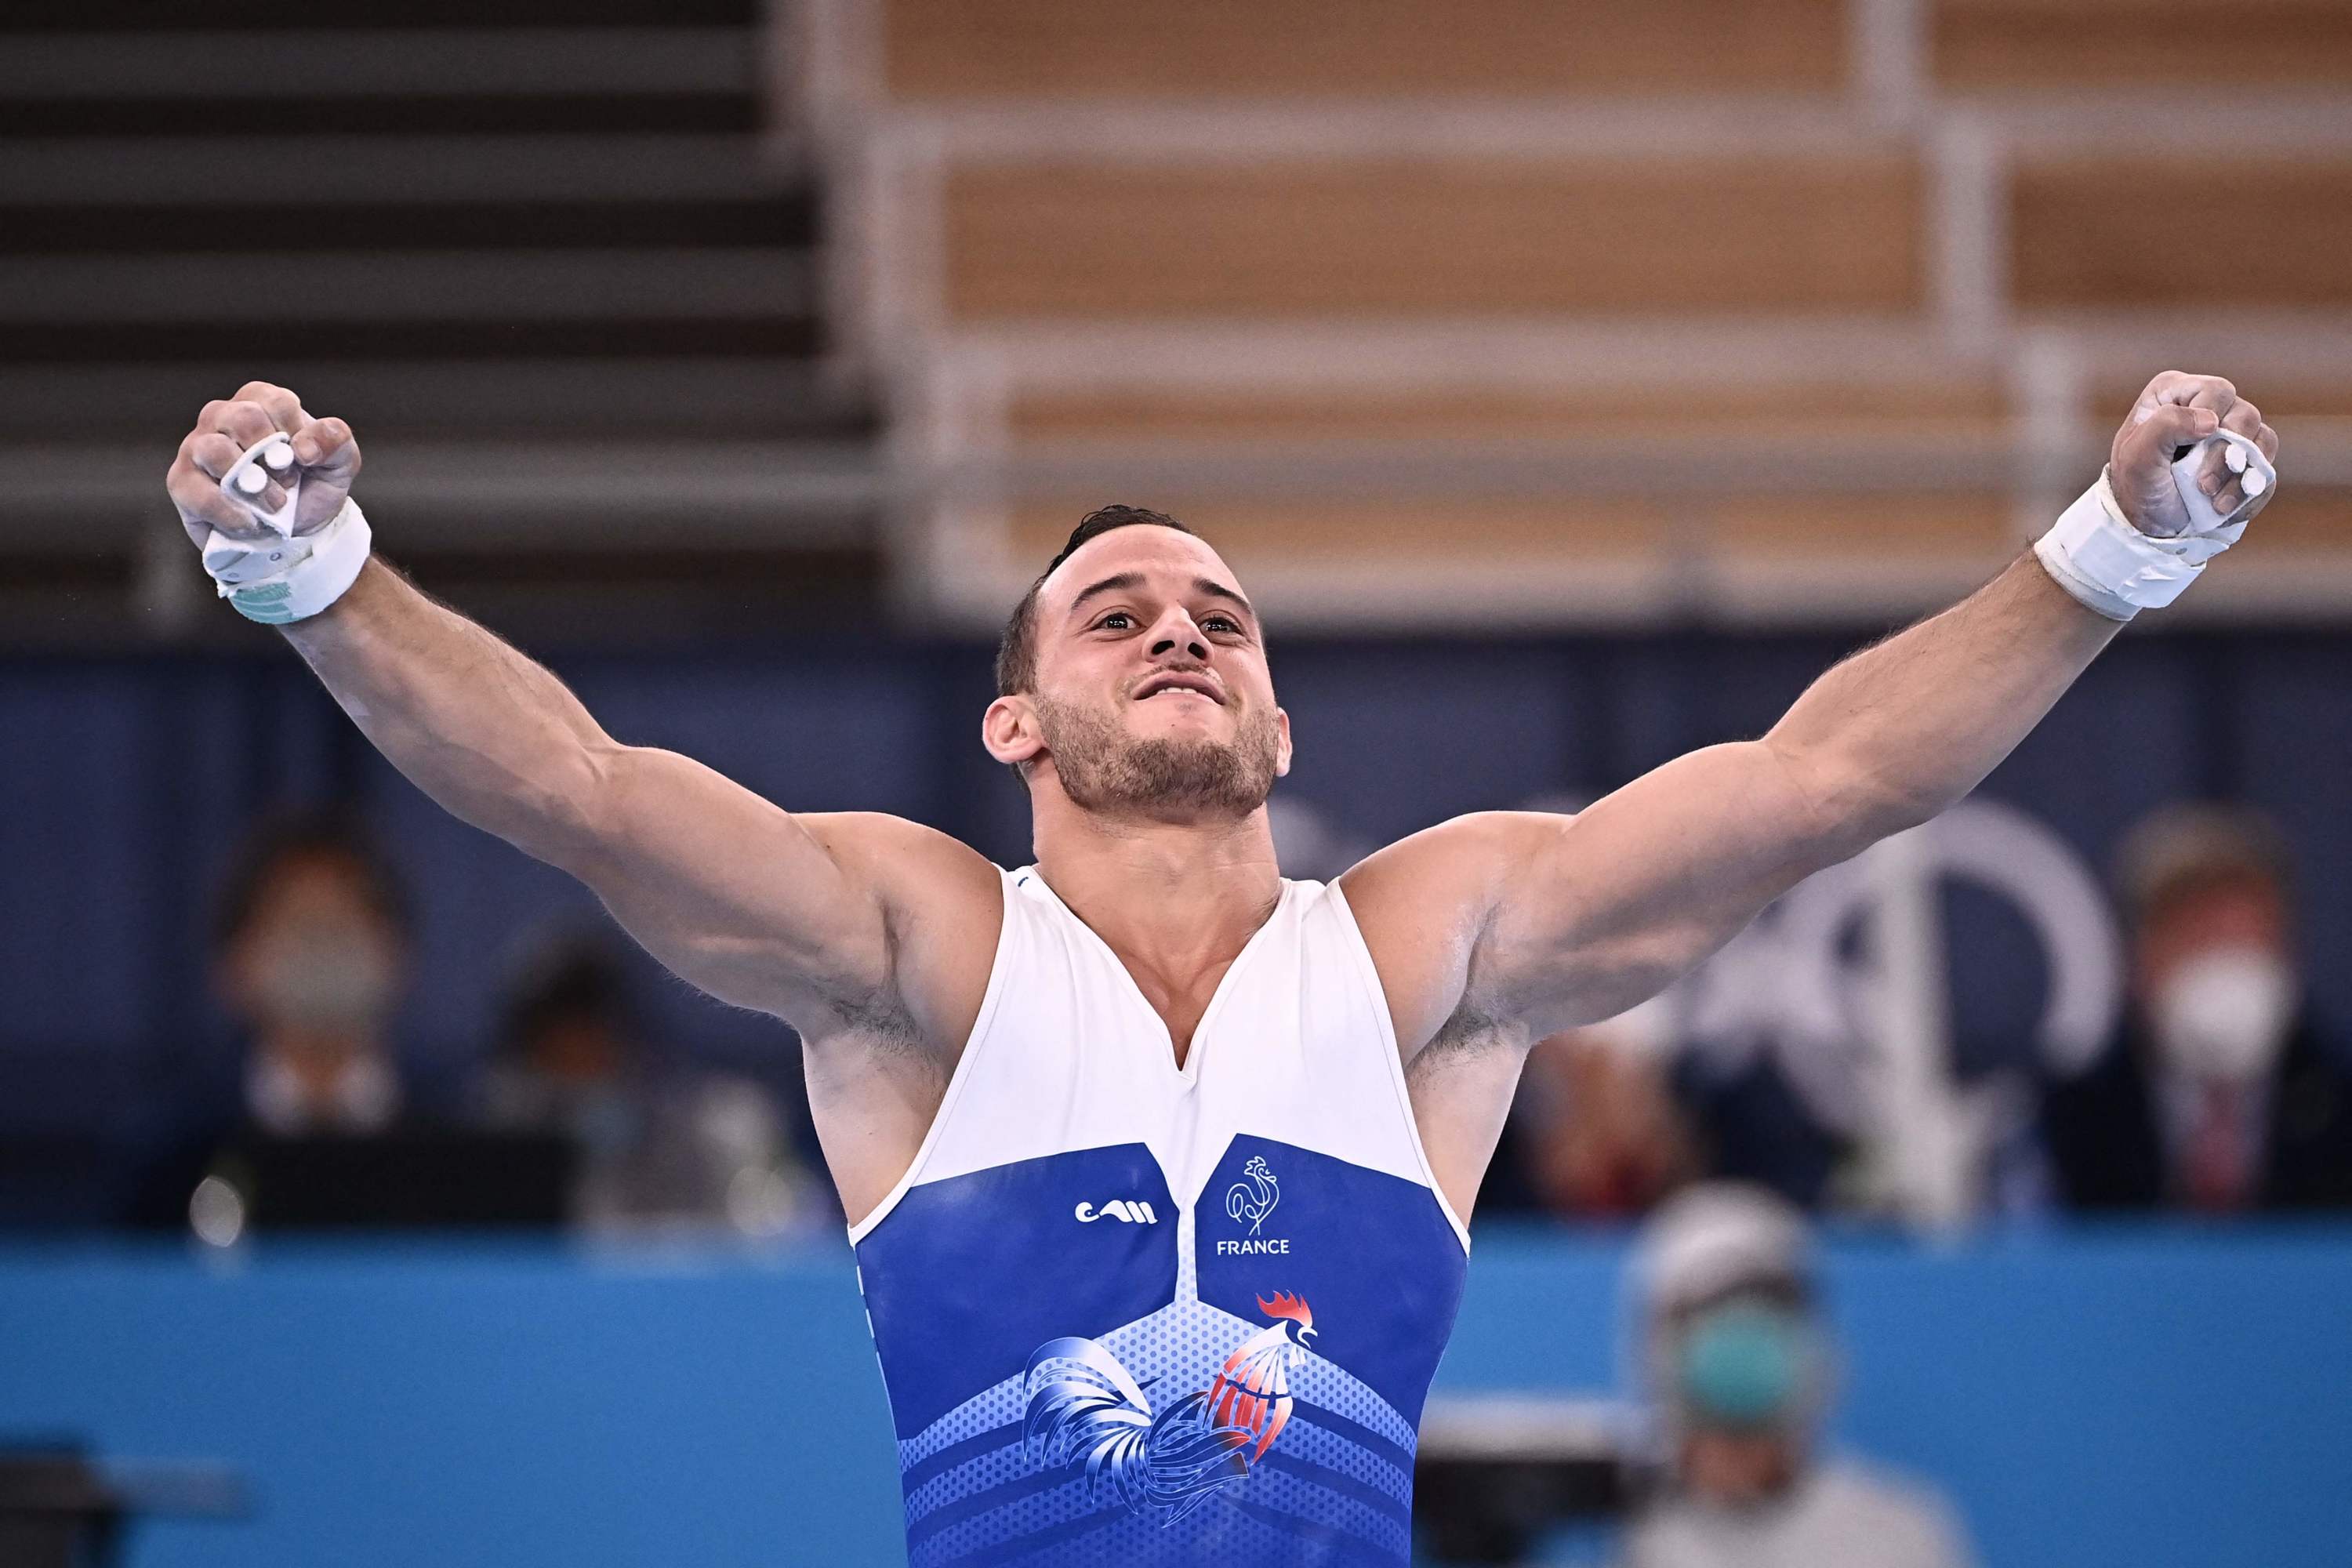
(1471, 1031)
(881, 1022)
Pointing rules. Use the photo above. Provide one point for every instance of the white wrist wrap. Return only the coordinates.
(2112, 567)
(276, 580)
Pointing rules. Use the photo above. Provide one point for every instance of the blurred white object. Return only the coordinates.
(1717, 1237)
(2225, 1013)
(1930, 1144)
(1861, 1031)
(2244, 457)
(216, 1213)
(249, 473)
(1839, 1513)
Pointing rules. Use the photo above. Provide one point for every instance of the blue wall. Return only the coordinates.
(123, 782)
(2160, 1398)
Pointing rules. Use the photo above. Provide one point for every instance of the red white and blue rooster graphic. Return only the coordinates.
(1084, 1405)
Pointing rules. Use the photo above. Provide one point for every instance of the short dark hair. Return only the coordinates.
(286, 835)
(570, 972)
(1017, 651)
(2178, 851)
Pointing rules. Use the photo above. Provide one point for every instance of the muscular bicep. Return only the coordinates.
(1597, 912)
(1504, 926)
(758, 907)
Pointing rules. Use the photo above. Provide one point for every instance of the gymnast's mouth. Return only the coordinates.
(1198, 684)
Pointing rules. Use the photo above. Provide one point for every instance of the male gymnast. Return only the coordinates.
(1157, 1162)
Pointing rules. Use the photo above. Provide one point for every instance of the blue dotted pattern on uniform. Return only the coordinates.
(967, 1274)
(914, 1476)
(983, 1523)
(985, 1412)
(1334, 1490)
(988, 1474)
(1296, 1529)
(1345, 1461)
(1326, 1385)
(1337, 1486)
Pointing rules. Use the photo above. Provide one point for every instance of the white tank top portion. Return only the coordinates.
(1296, 1043)
(1121, 1305)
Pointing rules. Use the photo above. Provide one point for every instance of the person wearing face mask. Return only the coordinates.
(312, 958)
(310, 947)
(663, 1145)
(2221, 1097)
(1734, 1359)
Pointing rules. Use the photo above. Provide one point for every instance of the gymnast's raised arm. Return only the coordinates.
(796, 916)
(1550, 921)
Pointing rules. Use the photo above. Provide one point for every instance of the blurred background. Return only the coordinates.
(1570, 382)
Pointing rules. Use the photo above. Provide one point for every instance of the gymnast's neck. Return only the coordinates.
(1172, 895)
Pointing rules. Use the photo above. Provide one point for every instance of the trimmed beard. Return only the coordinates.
(1103, 769)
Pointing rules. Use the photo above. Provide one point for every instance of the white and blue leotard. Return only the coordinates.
(1136, 1313)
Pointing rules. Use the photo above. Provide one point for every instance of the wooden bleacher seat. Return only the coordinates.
(947, 50)
(1130, 255)
(2106, 46)
(1964, 405)
(1446, 238)
(540, 255)
(2103, 231)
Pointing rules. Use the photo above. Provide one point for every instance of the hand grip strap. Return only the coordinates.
(278, 581)
(267, 459)
(2094, 553)
(2258, 477)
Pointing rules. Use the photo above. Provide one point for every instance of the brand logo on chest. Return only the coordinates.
(1132, 1211)
(1247, 1203)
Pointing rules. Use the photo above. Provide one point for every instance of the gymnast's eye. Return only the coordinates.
(1121, 616)
(1213, 623)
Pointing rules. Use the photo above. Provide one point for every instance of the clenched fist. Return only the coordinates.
(324, 451)
(2179, 410)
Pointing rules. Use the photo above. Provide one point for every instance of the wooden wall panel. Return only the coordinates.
(1386, 238)
(946, 50)
(1967, 408)
(1857, 530)
(2074, 44)
(2108, 232)
(2307, 520)
(1414, 532)
(1407, 531)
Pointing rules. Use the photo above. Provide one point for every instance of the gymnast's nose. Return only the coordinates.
(1176, 636)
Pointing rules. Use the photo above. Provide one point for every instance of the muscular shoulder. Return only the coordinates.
(942, 906)
(905, 862)
(1425, 904)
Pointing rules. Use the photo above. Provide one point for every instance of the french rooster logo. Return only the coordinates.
(1253, 1390)
(1254, 1196)
(1085, 1406)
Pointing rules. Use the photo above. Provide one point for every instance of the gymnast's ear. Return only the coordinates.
(1009, 729)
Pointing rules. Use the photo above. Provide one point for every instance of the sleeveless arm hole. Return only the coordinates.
(1369, 973)
(972, 1045)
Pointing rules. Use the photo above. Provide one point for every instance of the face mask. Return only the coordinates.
(325, 978)
(1745, 1364)
(2224, 1014)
